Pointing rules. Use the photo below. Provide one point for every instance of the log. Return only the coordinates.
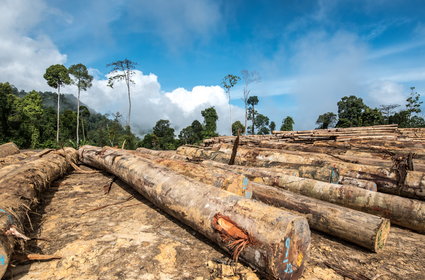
(19, 191)
(408, 213)
(409, 184)
(8, 149)
(366, 230)
(323, 173)
(273, 241)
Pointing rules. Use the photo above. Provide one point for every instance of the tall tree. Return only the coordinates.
(252, 101)
(7, 101)
(210, 122)
(413, 104)
(262, 124)
(123, 70)
(350, 111)
(228, 82)
(248, 78)
(326, 120)
(237, 126)
(287, 124)
(57, 76)
(387, 111)
(192, 133)
(82, 79)
(272, 126)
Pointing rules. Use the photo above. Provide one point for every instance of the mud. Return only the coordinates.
(120, 235)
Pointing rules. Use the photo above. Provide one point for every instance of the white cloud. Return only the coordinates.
(23, 59)
(150, 104)
(386, 93)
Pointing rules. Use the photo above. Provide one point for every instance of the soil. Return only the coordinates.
(121, 235)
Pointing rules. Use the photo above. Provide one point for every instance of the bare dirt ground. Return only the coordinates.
(120, 235)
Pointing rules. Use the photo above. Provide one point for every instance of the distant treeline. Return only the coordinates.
(29, 120)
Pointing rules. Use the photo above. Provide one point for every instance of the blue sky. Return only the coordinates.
(308, 53)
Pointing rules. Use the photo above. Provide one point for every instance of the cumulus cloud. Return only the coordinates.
(150, 104)
(23, 59)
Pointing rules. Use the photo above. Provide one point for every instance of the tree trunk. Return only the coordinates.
(363, 229)
(405, 212)
(78, 118)
(57, 118)
(275, 243)
(253, 119)
(129, 99)
(19, 189)
(8, 149)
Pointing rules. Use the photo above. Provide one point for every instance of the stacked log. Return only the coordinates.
(19, 190)
(409, 213)
(269, 239)
(8, 149)
(409, 184)
(363, 229)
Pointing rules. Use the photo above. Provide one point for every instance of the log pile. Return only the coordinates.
(271, 240)
(8, 149)
(256, 196)
(20, 186)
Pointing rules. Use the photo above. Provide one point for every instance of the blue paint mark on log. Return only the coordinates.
(2, 260)
(288, 268)
(248, 194)
(287, 245)
(245, 181)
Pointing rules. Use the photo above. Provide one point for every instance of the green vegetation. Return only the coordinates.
(30, 120)
(353, 112)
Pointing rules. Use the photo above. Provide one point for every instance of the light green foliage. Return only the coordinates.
(326, 120)
(210, 122)
(287, 124)
(237, 126)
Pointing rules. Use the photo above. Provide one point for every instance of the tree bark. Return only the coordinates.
(387, 180)
(8, 149)
(273, 241)
(57, 116)
(363, 229)
(78, 116)
(322, 173)
(402, 211)
(19, 189)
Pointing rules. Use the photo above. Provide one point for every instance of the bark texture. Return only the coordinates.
(8, 149)
(19, 191)
(400, 182)
(409, 213)
(368, 231)
(274, 241)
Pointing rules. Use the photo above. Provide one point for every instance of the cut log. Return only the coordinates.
(366, 230)
(8, 149)
(402, 211)
(322, 173)
(400, 182)
(273, 241)
(19, 191)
